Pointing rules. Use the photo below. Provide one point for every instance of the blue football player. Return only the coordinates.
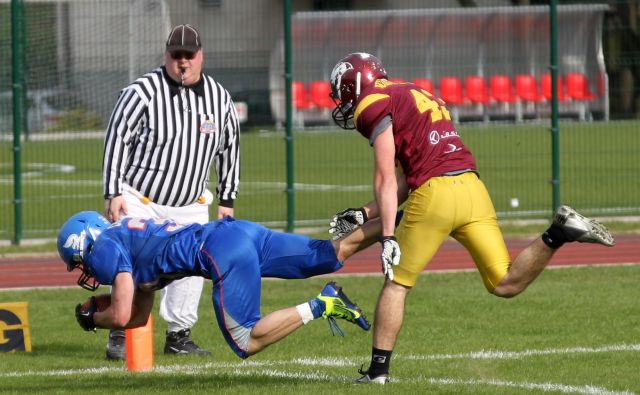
(139, 256)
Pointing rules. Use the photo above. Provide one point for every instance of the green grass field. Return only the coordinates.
(333, 170)
(575, 331)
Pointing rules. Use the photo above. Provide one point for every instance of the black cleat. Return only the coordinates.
(180, 343)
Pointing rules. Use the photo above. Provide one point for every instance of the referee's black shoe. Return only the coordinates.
(180, 343)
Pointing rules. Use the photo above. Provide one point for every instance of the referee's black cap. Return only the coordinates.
(184, 38)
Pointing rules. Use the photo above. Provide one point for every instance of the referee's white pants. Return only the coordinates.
(179, 300)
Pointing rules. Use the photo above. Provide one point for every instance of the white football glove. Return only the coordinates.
(345, 221)
(390, 255)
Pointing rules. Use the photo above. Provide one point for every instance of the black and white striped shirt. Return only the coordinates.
(162, 138)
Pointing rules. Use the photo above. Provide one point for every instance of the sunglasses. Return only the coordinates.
(182, 55)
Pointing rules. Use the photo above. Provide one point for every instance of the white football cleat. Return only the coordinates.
(381, 379)
(577, 227)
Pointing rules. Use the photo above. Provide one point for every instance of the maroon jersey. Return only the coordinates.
(427, 144)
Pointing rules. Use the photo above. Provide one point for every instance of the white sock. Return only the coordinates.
(304, 310)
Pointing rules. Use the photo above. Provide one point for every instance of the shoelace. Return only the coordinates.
(333, 325)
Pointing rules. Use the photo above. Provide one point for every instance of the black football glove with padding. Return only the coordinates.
(85, 318)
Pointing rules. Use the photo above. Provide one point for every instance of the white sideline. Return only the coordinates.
(267, 368)
(527, 353)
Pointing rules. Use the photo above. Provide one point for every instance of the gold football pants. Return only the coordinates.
(457, 206)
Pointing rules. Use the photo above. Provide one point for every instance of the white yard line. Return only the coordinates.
(488, 354)
(268, 368)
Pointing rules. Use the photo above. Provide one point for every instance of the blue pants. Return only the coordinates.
(237, 254)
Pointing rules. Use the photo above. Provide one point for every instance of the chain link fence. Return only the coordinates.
(490, 62)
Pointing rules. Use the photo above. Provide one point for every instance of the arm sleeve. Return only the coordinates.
(126, 119)
(227, 159)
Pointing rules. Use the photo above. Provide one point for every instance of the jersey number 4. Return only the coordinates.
(425, 102)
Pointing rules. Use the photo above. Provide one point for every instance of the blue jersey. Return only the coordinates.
(155, 252)
(235, 255)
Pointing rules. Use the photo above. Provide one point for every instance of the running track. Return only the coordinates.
(49, 271)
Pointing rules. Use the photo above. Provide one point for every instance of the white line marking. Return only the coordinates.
(546, 387)
(63, 372)
(245, 369)
(251, 187)
(254, 369)
(60, 183)
(325, 361)
(343, 361)
(527, 353)
(281, 186)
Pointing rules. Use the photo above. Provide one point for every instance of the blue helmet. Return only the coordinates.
(75, 239)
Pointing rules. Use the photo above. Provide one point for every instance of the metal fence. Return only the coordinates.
(77, 55)
(489, 62)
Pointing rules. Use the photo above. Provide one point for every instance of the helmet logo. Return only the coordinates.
(336, 76)
(76, 241)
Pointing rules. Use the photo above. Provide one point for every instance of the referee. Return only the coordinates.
(166, 129)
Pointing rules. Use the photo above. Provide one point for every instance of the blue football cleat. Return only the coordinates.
(338, 305)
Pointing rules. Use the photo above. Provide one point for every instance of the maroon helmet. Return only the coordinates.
(350, 76)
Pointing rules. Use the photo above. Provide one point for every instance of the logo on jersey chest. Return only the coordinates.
(435, 136)
(207, 125)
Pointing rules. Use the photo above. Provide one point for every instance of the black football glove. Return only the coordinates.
(85, 318)
(345, 221)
